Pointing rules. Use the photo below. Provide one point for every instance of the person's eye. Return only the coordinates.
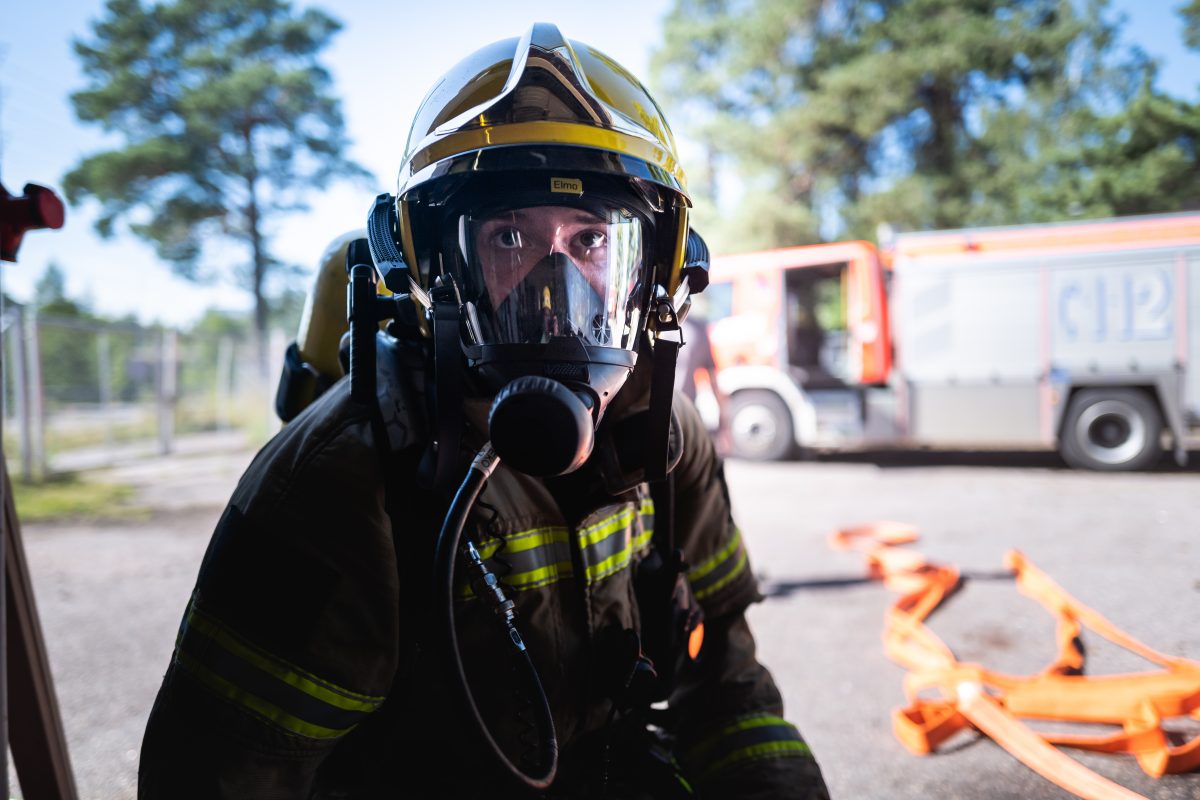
(508, 239)
(592, 239)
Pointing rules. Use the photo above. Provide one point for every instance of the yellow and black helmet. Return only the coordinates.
(539, 114)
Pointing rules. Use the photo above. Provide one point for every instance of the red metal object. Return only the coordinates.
(38, 207)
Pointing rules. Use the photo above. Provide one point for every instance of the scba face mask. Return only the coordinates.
(553, 271)
(554, 300)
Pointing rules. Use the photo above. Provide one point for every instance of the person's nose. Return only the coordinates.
(559, 243)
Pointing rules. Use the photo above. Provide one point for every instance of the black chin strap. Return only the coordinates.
(448, 394)
(662, 387)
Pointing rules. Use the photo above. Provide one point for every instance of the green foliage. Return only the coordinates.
(227, 119)
(838, 116)
(286, 308)
(51, 287)
(69, 372)
(1191, 24)
(71, 498)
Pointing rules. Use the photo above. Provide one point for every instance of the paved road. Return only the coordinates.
(1125, 544)
(111, 596)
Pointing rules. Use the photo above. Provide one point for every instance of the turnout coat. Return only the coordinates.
(299, 669)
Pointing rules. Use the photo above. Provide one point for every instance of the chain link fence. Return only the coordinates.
(81, 394)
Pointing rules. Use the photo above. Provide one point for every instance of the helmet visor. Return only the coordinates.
(544, 271)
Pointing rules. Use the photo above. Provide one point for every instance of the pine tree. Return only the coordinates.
(840, 115)
(228, 121)
(1191, 24)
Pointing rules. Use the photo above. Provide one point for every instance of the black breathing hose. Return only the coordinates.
(450, 546)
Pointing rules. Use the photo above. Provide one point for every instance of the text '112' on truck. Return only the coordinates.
(1081, 336)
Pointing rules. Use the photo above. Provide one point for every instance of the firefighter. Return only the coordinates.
(538, 241)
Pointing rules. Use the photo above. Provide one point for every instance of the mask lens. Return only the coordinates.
(545, 271)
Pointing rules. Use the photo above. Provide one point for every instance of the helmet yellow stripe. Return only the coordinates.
(543, 132)
(677, 256)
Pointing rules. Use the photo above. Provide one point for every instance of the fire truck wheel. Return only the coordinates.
(760, 427)
(1112, 430)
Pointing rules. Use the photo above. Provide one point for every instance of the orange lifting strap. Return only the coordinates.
(945, 695)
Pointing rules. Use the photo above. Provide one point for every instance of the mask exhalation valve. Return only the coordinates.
(540, 427)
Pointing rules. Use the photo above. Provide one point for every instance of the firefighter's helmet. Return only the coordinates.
(541, 121)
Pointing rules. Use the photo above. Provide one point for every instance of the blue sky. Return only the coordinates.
(391, 51)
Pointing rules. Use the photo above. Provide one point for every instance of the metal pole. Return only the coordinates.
(168, 344)
(224, 381)
(35, 397)
(21, 393)
(104, 368)
(5, 500)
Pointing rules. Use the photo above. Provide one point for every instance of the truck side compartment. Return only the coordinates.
(1077, 336)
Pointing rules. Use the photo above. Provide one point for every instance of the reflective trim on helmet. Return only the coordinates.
(273, 689)
(406, 241)
(681, 235)
(548, 133)
(719, 570)
(750, 738)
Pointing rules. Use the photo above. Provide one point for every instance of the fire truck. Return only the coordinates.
(1079, 336)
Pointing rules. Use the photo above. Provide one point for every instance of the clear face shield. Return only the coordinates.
(542, 272)
(553, 303)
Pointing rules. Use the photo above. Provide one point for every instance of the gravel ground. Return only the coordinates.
(1124, 544)
(110, 598)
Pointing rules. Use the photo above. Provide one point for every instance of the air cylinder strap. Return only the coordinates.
(947, 696)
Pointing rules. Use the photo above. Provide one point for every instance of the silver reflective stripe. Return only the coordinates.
(529, 559)
(753, 737)
(719, 570)
(542, 556)
(608, 545)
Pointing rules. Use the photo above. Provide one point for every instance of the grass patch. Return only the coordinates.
(69, 497)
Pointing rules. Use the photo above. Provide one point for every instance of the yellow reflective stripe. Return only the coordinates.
(737, 742)
(741, 724)
(270, 711)
(546, 132)
(760, 721)
(291, 675)
(618, 561)
(531, 579)
(540, 576)
(525, 540)
(737, 570)
(604, 528)
(589, 536)
(700, 570)
(757, 751)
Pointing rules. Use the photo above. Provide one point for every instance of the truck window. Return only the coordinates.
(815, 313)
